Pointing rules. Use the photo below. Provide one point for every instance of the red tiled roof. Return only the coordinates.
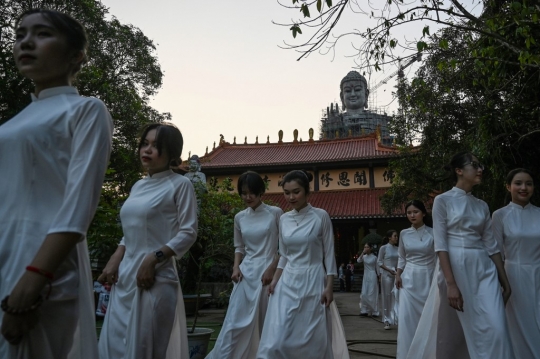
(354, 204)
(347, 149)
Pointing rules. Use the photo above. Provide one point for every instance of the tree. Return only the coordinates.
(478, 88)
(122, 71)
(451, 106)
(380, 44)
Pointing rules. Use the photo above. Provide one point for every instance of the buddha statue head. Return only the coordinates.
(354, 92)
(194, 164)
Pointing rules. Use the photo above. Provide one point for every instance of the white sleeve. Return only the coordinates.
(498, 229)
(380, 257)
(440, 235)
(402, 259)
(239, 246)
(328, 244)
(281, 249)
(487, 234)
(90, 149)
(186, 208)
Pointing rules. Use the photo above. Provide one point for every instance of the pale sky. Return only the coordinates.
(225, 74)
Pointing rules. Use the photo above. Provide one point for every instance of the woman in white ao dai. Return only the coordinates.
(517, 230)
(369, 298)
(387, 260)
(256, 236)
(302, 321)
(53, 157)
(476, 284)
(145, 318)
(414, 274)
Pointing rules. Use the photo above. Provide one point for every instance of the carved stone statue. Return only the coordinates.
(197, 178)
(195, 175)
(354, 93)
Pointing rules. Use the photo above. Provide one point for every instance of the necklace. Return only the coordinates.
(298, 222)
(420, 234)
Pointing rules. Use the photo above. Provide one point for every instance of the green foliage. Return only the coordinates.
(215, 244)
(505, 24)
(122, 71)
(460, 102)
(372, 238)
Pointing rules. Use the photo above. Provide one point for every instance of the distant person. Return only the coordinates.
(341, 273)
(348, 276)
(516, 228)
(53, 157)
(350, 269)
(146, 317)
(369, 298)
(256, 237)
(387, 261)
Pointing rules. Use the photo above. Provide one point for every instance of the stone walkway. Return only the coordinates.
(364, 335)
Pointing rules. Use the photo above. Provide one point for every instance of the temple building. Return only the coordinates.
(350, 175)
(349, 164)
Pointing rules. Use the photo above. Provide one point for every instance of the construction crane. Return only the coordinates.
(399, 72)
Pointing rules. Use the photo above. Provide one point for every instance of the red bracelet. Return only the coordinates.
(44, 273)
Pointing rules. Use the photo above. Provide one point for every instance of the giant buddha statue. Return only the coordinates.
(353, 119)
(354, 94)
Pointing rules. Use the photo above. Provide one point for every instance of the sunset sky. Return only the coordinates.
(225, 74)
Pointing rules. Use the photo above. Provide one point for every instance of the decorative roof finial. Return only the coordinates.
(310, 135)
(206, 151)
(214, 145)
(267, 139)
(295, 135)
(245, 140)
(280, 136)
(234, 143)
(256, 140)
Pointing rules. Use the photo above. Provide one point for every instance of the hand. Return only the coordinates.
(327, 297)
(236, 275)
(507, 292)
(454, 297)
(398, 283)
(392, 272)
(110, 272)
(146, 272)
(272, 287)
(267, 276)
(14, 327)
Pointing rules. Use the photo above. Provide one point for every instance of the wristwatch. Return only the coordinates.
(160, 256)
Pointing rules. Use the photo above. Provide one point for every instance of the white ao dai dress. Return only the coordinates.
(517, 230)
(462, 227)
(151, 323)
(53, 157)
(417, 261)
(369, 298)
(297, 325)
(256, 235)
(388, 256)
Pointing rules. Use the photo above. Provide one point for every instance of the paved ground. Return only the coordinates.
(364, 335)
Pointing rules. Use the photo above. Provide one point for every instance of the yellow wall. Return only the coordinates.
(331, 180)
(343, 179)
(383, 177)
